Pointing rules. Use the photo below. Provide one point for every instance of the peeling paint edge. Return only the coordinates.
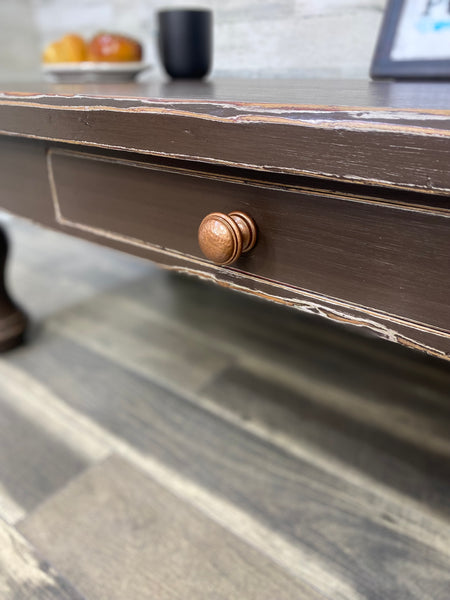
(312, 308)
(242, 165)
(248, 119)
(314, 303)
(251, 106)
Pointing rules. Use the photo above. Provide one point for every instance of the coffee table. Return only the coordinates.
(328, 196)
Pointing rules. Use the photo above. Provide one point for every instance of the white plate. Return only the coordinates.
(72, 72)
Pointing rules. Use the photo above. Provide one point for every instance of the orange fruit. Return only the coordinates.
(70, 48)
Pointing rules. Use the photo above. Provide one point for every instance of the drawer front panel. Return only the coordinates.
(375, 255)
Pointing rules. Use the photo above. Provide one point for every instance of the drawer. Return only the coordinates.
(369, 253)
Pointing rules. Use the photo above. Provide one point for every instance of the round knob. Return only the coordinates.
(223, 238)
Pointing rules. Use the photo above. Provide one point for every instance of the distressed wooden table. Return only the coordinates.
(347, 183)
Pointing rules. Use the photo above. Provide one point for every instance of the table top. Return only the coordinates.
(349, 183)
(381, 133)
(300, 93)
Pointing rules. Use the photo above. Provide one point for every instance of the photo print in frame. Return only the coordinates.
(414, 41)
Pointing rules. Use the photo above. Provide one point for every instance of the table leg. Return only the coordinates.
(13, 320)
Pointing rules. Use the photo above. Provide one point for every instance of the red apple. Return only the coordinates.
(110, 47)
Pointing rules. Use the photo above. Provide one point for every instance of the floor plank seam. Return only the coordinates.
(309, 453)
(46, 569)
(258, 535)
(62, 489)
(49, 405)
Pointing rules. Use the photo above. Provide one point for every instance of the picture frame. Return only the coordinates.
(414, 41)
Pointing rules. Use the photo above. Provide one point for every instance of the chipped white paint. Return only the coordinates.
(217, 161)
(290, 109)
(424, 125)
(347, 117)
(359, 199)
(388, 115)
(340, 310)
(322, 303)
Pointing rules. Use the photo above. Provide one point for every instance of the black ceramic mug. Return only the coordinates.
(185, 42)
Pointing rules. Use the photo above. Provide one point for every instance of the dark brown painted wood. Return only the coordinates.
(294, 92)
(355, 132)
(13, 321)
(25, 189)
(365, 254)
(348, 183)
(19, 198)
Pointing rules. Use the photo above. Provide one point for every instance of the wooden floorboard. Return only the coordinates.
(33, 463)
(280, 445)
(24, 575)
(143, 342)
(130, 538)
(259, 328)
(394, 450)
(347, 530)
(176, 347)
(366, 413)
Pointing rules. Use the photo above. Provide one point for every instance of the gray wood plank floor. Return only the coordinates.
(164, 438)
(23, 575)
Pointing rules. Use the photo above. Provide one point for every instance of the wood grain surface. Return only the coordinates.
(387, 276)
(348, 183)
(322, 243)
(314, 510)
(22, 464)
(302, 127)
(24, 575)
(309, 459)
(168, 549)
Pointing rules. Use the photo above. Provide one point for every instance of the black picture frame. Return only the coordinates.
(385, 66)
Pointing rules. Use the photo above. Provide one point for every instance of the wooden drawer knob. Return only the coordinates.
(223, 238)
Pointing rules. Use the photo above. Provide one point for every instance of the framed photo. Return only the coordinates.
(414, 41)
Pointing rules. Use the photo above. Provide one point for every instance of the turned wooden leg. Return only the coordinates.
(13, 321)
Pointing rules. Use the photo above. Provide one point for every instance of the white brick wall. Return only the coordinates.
(257, 38)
